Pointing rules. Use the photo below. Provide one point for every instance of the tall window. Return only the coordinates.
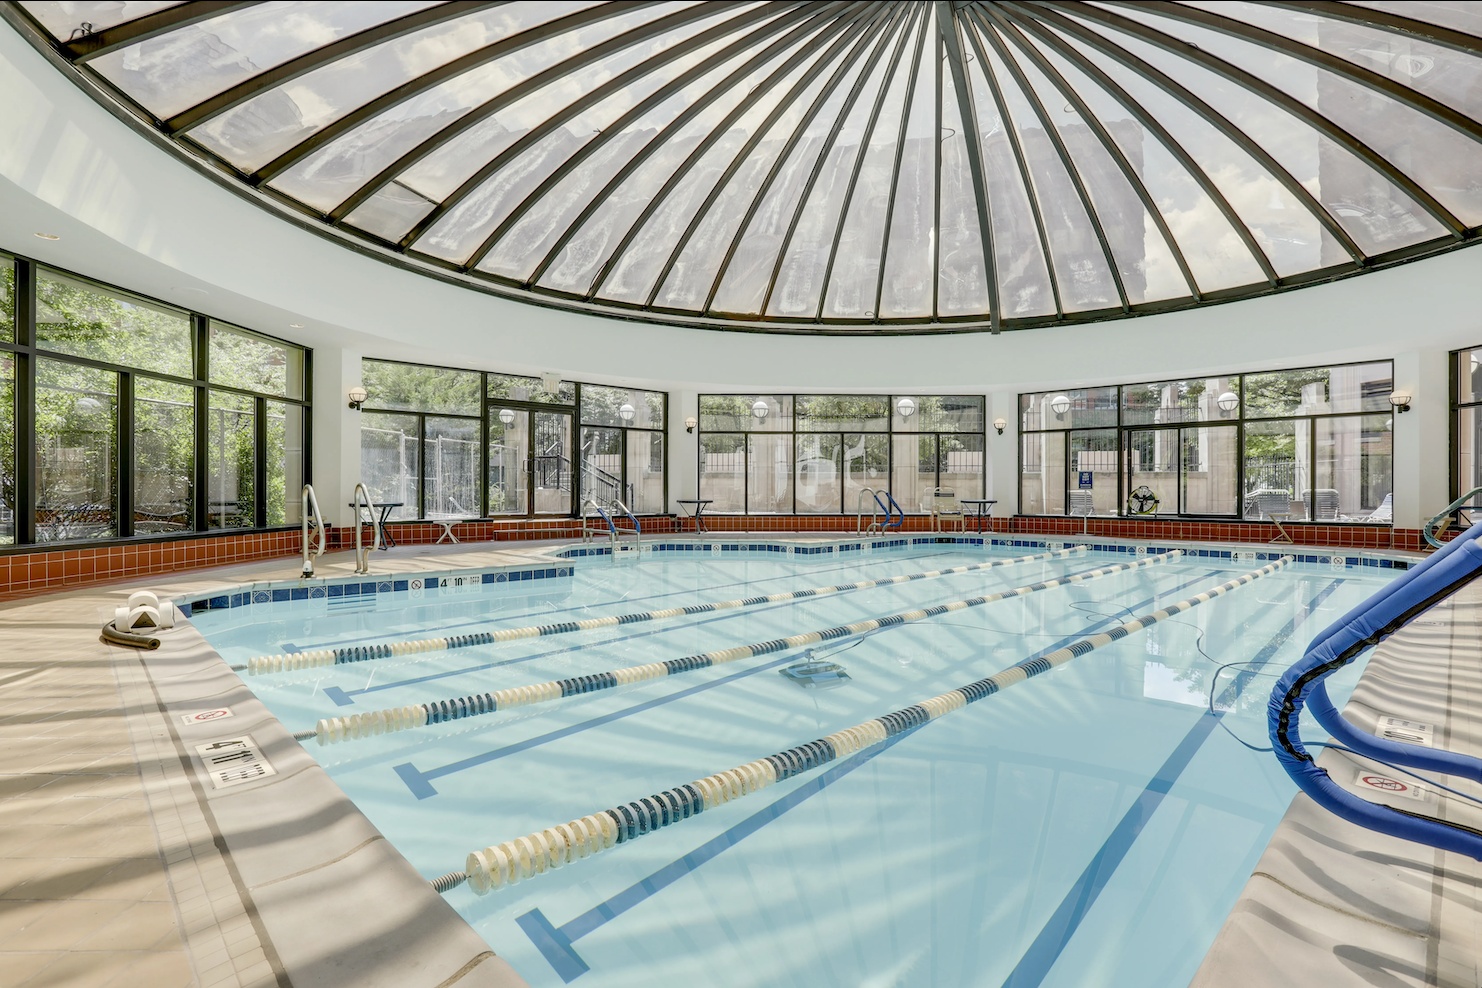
(420, 439)
(120, 416)
(817, 454)
(1466, 422)
(622, 447)
(1307, 445)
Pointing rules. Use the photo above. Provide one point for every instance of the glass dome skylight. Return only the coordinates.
(828, 166)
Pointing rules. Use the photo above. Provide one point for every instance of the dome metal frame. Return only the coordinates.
(813, 62)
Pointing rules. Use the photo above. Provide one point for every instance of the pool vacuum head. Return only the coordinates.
(815, 674)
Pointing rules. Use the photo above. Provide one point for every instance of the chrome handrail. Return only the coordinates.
(1430, 528)
(362, 554)
(309, 501)
(859, 511)
(587, 531)
(637, 528)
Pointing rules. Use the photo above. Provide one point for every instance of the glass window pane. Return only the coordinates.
(819, 481)
(450, 468)
(7, 449)
(907, 289)
(1469, 449)
(866, 464)
(1208, 471)
(769, 475)
(834, 413)
(1319, 390)
(420, 388)
(913, 470)
(723, 471)
(746, 413)
(1277, 465)
(1152, 462)
(285, 464)
(232, 468)
(529, 389)
(1469, 375)
(7, 300)
(960, 464)
(389, 460)
(1195, 400)
(253, 363)
(164, 456)
(602, 464)
(1096, 452)
(508, 462)
(86, 321)
(1042, 473)
(64, 18)
(1078, 408)
(1355, 469)
(645, 472)
(180, 68)
(76, 452)
(622, 407)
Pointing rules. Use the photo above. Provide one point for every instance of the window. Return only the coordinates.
(76, 452)
(817, 454)
(244, 360)
(76, 318)
(622, 447)
(1466, 421)
(1310, 444)
(164, 443)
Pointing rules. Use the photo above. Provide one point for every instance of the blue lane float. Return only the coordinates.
(320, 657)
(545, 850)
(331, 730)
(1303, 685)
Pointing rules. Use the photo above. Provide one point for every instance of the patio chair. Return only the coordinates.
(1082, 504)
(945, 509)
(1323, 503)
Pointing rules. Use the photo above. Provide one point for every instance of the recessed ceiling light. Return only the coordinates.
(295, 325)
(48, 236)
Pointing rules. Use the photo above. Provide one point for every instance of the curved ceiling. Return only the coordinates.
(827, 166)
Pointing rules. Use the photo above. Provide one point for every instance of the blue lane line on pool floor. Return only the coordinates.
(420, 782)
(1058, 930)
(621, 601)
(555, 943)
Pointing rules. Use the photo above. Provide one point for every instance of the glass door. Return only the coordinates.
(529, 461)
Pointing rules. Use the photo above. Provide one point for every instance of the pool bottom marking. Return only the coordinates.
(556, 943)
(1058, 930)
(513, 860)
(295, 659)
(331, 730)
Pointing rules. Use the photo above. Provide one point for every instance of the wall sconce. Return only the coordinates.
(690, 423)
(1228, 402)
(626, 412)
(906, 407)
(506, 415)
(1059, 404)
(357, 396)
(1400, 400)
(760, 409)
(1000, 425)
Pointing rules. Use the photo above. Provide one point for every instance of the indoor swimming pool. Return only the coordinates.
(1091, 827)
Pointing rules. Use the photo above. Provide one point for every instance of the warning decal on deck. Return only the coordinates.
(234, 761)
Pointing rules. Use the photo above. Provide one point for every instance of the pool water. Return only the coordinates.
(1090, 827)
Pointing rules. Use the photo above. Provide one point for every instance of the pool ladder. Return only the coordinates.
(611, 529)
(360, 498)
(882, 507)
(310, 514)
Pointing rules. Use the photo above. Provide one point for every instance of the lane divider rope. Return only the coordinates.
(314, 658)
(331, 730)
(545, 850)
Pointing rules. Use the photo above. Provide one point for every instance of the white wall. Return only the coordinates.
(130, 214)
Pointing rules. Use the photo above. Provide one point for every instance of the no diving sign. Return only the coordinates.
(206, 716)
(1381, 783)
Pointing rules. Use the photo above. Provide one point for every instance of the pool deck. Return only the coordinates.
(120, 864)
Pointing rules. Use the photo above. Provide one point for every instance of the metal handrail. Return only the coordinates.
(637, 528)
(309, 511)
(587, 531)
(1430, 528)
(362, 554)
(859, 511)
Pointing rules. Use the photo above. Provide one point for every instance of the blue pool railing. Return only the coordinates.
(895, 517)
(1371, 622)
